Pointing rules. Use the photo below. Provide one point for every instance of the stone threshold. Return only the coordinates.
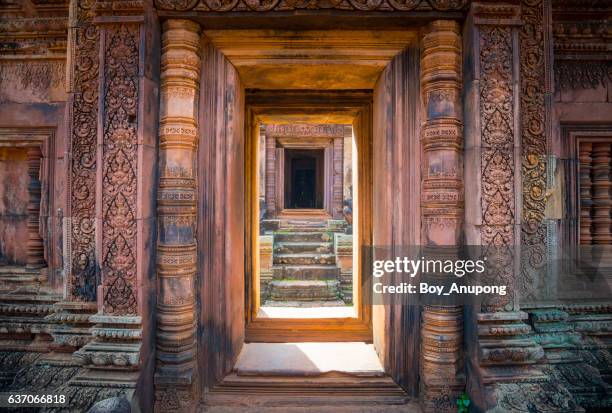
(322, 377)
(308, 359)
(320, 311)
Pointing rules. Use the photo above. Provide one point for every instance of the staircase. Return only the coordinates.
(304, 265)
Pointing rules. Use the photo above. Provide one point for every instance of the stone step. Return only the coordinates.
(302, 229)
(314, 236)
(311, 272)
(304, 259)
(299, 247)
(303, 224)
(302, 290)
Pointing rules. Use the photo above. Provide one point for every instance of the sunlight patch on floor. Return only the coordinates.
(355, 358)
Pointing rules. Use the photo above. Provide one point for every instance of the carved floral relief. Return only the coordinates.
(119, 173)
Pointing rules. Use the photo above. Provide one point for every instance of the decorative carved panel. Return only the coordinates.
(534, 86)
(119, 169)
(286, 5)
(84, 47)
(583, 58)
(497, 157)
(33, 40)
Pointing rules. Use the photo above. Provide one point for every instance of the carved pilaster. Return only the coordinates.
(502, 353)
(337, 185)
(120, 340)
(442, 207)
(83, 122)
(119, 170)
(270, 175)
(70, 329)
(535, 108)
(176, 208)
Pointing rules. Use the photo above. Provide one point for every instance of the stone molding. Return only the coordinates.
(285, 5)
(176, 208)
(582, 53)
(83, 87)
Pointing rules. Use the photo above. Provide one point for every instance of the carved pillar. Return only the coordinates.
(83, 123)
(586, 196)
(176, 209)
(35, 246)
(536, 97)
(338, 167)
(601, 194)
(71, 329)
(442, 379)
(124, 203)
(270, 176)
(502, 354)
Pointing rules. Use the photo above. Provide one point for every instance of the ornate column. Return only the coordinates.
(442, 378)
(176, 209)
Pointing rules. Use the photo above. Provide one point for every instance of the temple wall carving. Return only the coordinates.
(122, 213)
(83, 87)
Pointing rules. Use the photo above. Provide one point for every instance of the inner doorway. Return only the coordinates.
(304, 178)
(305, 232)
(272, 95)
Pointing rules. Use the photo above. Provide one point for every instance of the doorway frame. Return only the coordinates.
(326, 191)
(349, 107)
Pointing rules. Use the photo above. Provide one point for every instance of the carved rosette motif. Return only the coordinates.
(119, 169)
(176, 208)
(497, 158)
(84, 47)
(442, 207)
(533, 143)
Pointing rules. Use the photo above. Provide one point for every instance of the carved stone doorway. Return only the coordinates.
(242, 74)
(304, 178)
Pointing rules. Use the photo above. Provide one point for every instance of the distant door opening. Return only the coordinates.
(304, 178)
